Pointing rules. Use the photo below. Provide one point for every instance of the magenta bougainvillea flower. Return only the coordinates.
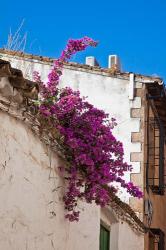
(95, 156)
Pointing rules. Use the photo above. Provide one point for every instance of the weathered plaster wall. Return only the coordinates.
(31, 207)
(31, 190)
(122, 236)
(128, 239)
(105, 92)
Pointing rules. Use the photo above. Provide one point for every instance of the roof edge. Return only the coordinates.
(97, 69)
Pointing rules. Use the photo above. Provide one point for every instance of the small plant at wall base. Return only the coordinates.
(95, 157)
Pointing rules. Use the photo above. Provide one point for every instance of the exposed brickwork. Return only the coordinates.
(138, 92)
(136, 137)
(135, 203)
(135, 113)
(137, 178)
(136, 157)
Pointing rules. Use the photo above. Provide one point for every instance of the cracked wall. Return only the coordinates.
(31, 191)
(32, 210)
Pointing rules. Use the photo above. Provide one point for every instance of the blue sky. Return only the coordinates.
(135, 30)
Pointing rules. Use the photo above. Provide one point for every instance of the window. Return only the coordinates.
(156, 239)
(104, 238)
(155, 151)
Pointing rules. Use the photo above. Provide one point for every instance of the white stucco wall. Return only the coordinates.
(31, 207)
(31, 191)
(122, 236)
(31, 210)
(105, 92)
(129, 239)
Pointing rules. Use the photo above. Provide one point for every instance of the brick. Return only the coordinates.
(135, 113)
(136, 156)
(138, 92)
(136, 137)
(137, 179)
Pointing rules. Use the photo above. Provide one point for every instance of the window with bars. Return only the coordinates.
(104, 238)
(156, 239)
(155, 152)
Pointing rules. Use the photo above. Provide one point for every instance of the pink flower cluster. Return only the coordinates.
(95, 156)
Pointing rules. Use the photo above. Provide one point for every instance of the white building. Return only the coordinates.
(37, 212)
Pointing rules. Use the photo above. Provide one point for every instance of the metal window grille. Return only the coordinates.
(155, 152)
(156, 239)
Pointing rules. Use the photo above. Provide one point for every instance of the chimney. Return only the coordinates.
(114, 62)
(91, 61)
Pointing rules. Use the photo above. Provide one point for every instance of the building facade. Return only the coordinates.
(32, 209)
(137, 102)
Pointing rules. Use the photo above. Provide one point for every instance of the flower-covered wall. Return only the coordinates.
(31, 192)
(32, 187)
(105, 92)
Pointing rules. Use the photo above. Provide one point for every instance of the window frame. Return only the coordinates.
(156, 189)
(107, 230)
(159, 234)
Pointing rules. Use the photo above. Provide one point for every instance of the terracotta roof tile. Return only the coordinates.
(98, 69)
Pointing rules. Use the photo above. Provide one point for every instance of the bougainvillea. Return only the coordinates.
(95, 156)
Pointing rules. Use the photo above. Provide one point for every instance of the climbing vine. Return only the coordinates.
(95, 157)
